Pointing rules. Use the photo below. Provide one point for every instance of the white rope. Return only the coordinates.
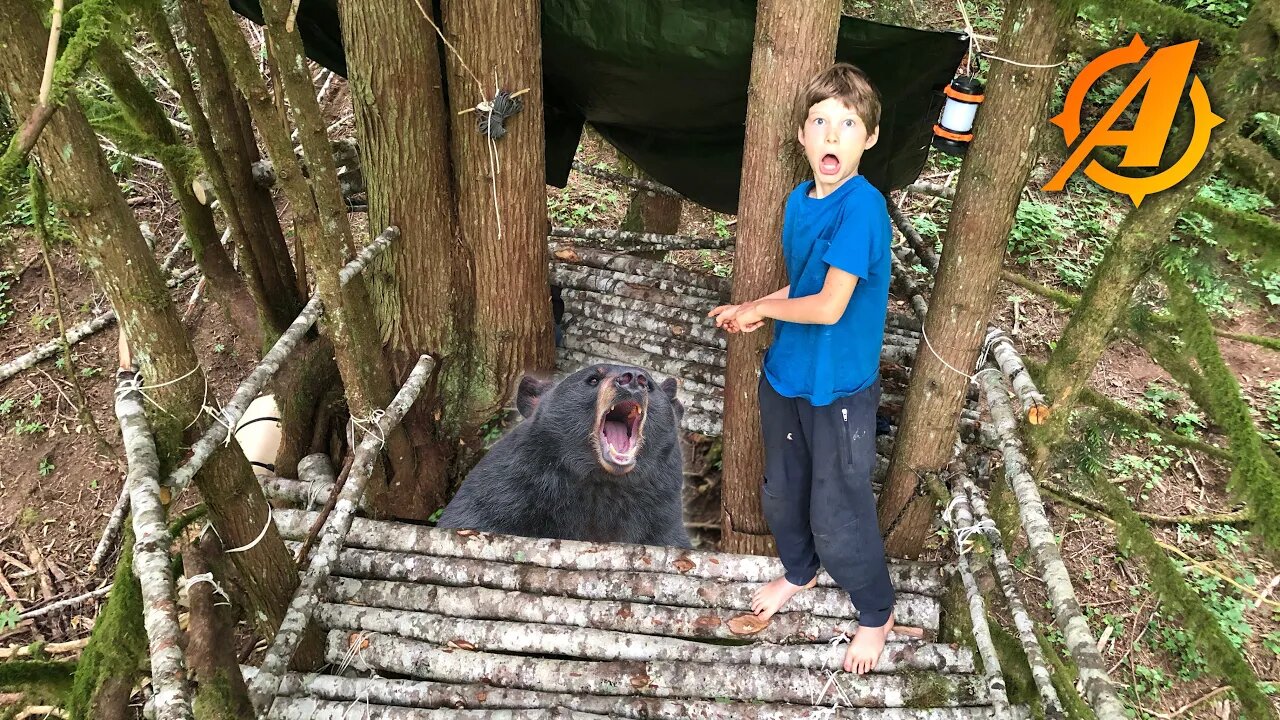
(208, 577)
(982, 356)
(265, 526)
(370, 425)
(989, 56)
(353, 653)
(962, 534)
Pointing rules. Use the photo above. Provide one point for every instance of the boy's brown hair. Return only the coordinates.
(850, 86)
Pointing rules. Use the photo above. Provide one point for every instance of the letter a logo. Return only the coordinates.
(1163, 78)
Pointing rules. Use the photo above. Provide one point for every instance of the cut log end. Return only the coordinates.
(1038, 414)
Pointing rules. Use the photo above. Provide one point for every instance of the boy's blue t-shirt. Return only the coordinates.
(848, 229)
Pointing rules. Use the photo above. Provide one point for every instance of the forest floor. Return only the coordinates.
(56, 489)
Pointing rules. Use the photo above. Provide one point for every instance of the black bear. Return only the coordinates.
(596, 458)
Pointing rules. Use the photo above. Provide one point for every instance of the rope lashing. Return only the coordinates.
(493, 113)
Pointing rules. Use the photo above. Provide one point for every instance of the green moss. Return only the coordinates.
(928, 689)
(118, 646)
(955, 624)
(46, 676)
(215, 701)
(1019, 684)
(1063, 673)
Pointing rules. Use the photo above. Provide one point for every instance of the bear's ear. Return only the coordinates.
(529, 393)
(669, 387)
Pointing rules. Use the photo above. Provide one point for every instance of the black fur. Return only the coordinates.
(545, 477)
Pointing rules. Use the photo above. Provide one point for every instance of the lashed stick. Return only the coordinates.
(151, 561)
(289, 636)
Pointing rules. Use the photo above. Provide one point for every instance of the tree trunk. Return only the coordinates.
(420, 291)
(991, 181)
(248, 207)
(793, 41)
(1133, 250)
(648, 211)
(107, 236)
(501, 198)
(144, 113)
(220, 690)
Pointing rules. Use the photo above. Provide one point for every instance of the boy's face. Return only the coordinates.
(834, 138)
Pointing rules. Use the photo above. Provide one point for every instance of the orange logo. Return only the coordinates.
(1163, 77)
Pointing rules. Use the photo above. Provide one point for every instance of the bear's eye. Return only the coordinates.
(593, 380)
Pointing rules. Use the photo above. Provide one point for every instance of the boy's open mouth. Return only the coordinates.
(620, 433)
(829, 165)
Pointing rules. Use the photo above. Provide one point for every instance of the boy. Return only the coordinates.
(820, 387)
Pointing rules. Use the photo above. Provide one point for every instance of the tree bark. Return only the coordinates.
(229, 149)
(994, 174)
(793, 42)
(649, 211)
(221, 693)
(420, 289)
(501, 196)
(107, 236)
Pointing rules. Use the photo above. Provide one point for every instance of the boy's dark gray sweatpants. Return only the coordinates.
(817, 494)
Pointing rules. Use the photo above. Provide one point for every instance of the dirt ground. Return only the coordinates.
(57, 489)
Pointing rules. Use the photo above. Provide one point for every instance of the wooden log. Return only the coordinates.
(960, 517)
(682, 324)
(627, 180)
(563, 273)
(51, 607)
(647, 341)
(422, 694)
(633, 265)
(1034, 407)
(600, 282)
(577, 339)
(482, 603)
(1026, 627)
(311, 709)
(917, 577)
(626, 240)
(590, 644)
(902, 275)
(923, 250)
(1080, 642)
(622, 585)
(939, 191)
(271, 362)
(652, 679)
(292, 627)
(151, 562)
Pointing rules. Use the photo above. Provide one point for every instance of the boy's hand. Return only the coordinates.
(747, 318)
(724, 315)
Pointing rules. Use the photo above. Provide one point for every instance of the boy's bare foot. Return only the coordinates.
(865, 647)
(767, 600)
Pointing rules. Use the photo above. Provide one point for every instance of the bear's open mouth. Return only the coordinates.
(620, 430)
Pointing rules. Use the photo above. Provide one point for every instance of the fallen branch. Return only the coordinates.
(112, 531)
(627, 241)
(252, 385)
(418, 694)
(922, 249)
(289, 636)
(47, 350)
(1240, 517)
(908, 285)
(620, 179)
(34, 649)
(151, 561)
(1066, 608)
(1034, 407)
(590, 644)
(939, 191)
(621, 585)
(634, 265)
(921, 578)
(46, 609)
(653, 679)
(338, 484)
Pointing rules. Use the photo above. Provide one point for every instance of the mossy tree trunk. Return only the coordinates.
(1144, 230)
(109, 240)
(145, 115)
(648, 211)
(992, 178)
(501, 199)
(227, 145)
(793, 41)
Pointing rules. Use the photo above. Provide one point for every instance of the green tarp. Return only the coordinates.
(665, 81)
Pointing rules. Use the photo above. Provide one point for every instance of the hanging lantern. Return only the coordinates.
(954, 130)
